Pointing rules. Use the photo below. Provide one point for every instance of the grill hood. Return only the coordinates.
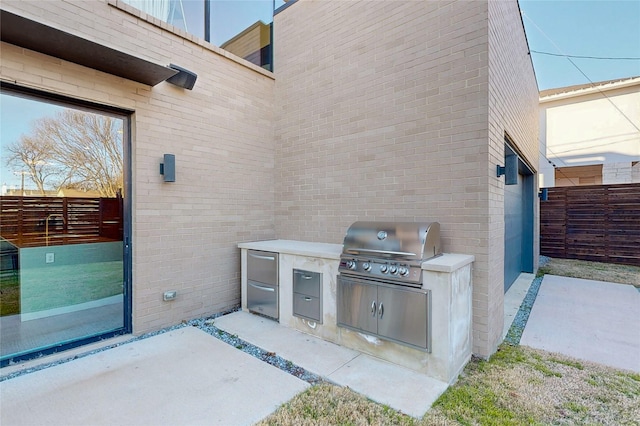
(407, 241)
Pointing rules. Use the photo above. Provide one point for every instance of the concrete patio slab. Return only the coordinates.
(297, 347)
(590, 320)
(182, 377)
(405, 390)
(398, 387)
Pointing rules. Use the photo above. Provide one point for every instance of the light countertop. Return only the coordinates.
(301, 248)
(448, 262)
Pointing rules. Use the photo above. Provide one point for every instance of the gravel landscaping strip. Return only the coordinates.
(520, 321)
(263, 355)
(543, 260)
(206, 325)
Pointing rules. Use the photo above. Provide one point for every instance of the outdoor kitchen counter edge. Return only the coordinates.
(448, 262)
(300, 248)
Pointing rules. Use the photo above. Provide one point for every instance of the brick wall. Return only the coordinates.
(185, 233)
(380, 110)
(389, 110)
(620, 172)
(382, 114)
(513, 110)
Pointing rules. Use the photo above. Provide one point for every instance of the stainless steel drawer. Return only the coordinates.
(262, 298)
(262, 266)
(305, 282)
(307, 307)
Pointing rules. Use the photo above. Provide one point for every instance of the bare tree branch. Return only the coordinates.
(74, 149)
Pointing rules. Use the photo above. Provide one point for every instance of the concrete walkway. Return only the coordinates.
(398, 387)
(182, 377)
(590, 320)
(188, 377)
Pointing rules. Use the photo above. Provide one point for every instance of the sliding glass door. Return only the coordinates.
(65, 217)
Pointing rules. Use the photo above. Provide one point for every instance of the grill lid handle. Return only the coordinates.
(394, 253)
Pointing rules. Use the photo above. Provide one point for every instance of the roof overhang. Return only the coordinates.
(32, 35)
(588, 89)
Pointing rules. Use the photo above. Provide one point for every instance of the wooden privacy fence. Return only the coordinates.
(26, 220)
(599, 223)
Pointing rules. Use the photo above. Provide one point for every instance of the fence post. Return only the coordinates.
(65, 215)
(565, 207)
(607, 225)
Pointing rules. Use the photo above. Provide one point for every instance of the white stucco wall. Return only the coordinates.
(592, 126)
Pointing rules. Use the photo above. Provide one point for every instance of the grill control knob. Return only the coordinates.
(403, 271)
(351, 264)
(383, 269)
(366, 266)
(393, 269)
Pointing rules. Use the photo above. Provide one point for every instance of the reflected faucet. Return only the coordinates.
(64, 222)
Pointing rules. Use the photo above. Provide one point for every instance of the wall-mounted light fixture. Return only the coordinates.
(509, 170)
(185, 78)
(543, 194)
(168, 168)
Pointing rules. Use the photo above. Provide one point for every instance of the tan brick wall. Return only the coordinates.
(382, 113)
(512, 110)
(385, 111)
(185, 233)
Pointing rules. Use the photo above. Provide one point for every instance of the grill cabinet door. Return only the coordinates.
(357, 305)
(402, 315)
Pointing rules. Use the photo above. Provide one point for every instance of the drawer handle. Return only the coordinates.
(259, 287)
(307, 277)
(308, 299)
(257, 256)
(373, 308)
(380, 310)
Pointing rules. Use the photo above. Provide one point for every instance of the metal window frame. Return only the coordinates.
(127, 117)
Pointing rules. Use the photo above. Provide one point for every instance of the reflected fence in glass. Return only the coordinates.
(62, 274)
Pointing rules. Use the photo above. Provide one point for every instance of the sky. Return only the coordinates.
(16, 117)
(609, 28)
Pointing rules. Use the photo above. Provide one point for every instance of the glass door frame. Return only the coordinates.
(126, 116)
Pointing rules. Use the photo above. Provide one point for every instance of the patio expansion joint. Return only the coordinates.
(341, 367)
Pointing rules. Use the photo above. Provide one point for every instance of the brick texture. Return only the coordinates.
(185, 233)
(386, 110)
(380, 110)
(513, 113)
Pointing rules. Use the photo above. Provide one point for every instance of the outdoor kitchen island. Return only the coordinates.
(447, 277)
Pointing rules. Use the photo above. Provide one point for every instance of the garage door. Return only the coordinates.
(514, 216)
(518, 222)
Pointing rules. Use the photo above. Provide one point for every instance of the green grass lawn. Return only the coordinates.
(9, 295)
(517, 386)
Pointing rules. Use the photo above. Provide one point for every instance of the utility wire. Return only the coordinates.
(581, 72)
(555, 167)
(587, 57)
(597, 145)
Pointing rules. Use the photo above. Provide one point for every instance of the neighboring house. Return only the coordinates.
(252, 44)
(27, 192)
(374, 110)
(590, 134)
(78, 193)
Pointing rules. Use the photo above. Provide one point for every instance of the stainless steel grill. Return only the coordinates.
(390, 251)
(380, 282)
